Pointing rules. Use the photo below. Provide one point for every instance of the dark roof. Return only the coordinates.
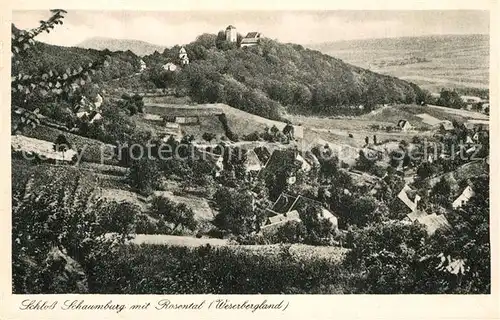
(284, 203)
(252, 35)
(262, 153)
(287, 203)
(279, 158)
(230, 27)
(402, 123)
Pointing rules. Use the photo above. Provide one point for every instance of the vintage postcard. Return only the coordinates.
(211, 160)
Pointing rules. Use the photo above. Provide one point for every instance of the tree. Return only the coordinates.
(290, 232)
(236, 212)
(442, 192)
(384, 257)
(319, 230)
(144, 175)
(119, 217)
(177, 214)
(207, 40)
(451, 99)
(209, 136)
(57, 235)
(365, 210)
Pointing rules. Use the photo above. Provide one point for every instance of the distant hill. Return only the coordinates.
(272, 79)
(140, 48)
(432, 62)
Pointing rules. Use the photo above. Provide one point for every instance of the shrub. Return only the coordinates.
(144, 175)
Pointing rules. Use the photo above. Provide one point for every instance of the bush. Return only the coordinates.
(208, 136)
(176, 214)
(145, 176)
(156, 269)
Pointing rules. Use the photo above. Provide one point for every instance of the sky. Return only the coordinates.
(168, 28)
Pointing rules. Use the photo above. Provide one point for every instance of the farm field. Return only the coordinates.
(448, 61)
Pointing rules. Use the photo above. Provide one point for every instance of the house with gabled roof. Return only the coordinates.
(281, 158)
(463, 198)
(446, 125)
(404, 125)
(415, 215)
(286, 203)
(404, 196)
(433, 222)
(252, 162)
(251, 39)
(263, 153)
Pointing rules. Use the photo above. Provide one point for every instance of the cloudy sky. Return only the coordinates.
(304, 27)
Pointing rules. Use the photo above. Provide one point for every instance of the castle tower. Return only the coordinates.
(183, 57)
(231, 34)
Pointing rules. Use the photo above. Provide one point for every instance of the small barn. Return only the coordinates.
(404, 125)
(446, 125)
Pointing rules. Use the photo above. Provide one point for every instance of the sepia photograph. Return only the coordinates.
(312, 152)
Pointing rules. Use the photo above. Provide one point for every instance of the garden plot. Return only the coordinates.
(428, 119)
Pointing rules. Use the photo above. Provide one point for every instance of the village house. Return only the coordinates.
(477, 125)
(281, 158)
(89, 108)
(231, 34)
(445, 126)
(433, 222)
(252, 162)
(183, 56)
(288, 208)
(404, 125)
(405, 194)
(169, 66)
(142, 66)
(251, 39)
(463, 198)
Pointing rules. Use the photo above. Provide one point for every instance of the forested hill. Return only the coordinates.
(271, 76)
(138, 47)
(43, 57)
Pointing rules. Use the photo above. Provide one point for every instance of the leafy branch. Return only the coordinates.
(26, 87)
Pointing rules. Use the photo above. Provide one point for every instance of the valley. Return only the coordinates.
(245, 165)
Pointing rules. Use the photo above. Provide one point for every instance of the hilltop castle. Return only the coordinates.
(251, 39)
